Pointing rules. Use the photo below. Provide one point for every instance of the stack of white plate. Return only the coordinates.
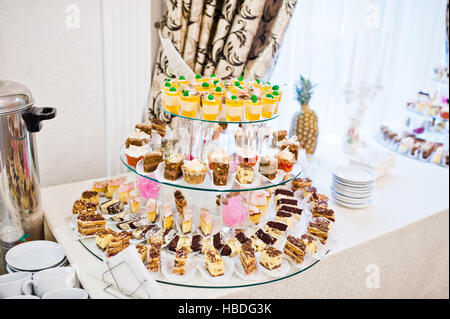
(353, 186)
(35, 256)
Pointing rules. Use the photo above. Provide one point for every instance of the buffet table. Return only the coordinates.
(395, 248)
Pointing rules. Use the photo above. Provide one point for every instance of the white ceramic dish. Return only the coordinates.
(355, 174)
(35, 255)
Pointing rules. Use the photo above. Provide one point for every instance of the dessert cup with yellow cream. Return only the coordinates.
(171, 100)
(210, 108)
(253, 108)
(189, 104)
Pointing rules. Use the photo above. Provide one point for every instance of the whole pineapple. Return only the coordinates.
(306, 123)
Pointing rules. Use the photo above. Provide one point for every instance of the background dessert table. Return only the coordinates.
(402, 239)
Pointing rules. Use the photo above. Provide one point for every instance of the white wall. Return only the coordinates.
(63, 68)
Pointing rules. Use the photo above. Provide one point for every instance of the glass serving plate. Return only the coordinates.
(394, 147)
(198, 281)
(207, 187)
(426, 116)
(243, 121)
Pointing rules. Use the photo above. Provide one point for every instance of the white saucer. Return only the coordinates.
(35, 255)
(355, 174)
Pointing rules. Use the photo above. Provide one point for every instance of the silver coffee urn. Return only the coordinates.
(21, 215)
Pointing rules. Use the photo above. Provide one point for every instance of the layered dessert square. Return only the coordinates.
(112, 207)
(247, 257)
(144, 127)
(145, 232)
(295, 249)
(113, 185)
(197, 243)
(214, 263)
(180, 201)
(172, 170)
(137, 138)
(310, 242)
(275, 229)
(271, 258)
(84, 208)
(159, 126)
(151, 209)
(205, 221)
(268, 166)
(284, 217)
(254, 215)
(261, 239)
(100, 186)
(88, 225)
(231, 248)
(90, 196)
(154, 257)
(151, 161)
(320, 211)
(186, 220)
(118, 243)
(167, 216)
(103, 237)
(319, 227)
(245, 173)
(142, 251)
(300, 183)
(218, 241)
(181, 256)
(123, 193)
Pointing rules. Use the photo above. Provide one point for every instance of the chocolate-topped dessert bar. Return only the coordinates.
(217, 241)
(275, 229)
(284, 217)
(242, 238)
(310, 242)
(90, 196)
(180, 261)
(300, 183)
(261, 239)
(180, 201)
(214, 263)
(112, 207)
(231, 248)
(159, 126)
(84, 208)
(197, 243)
(174, 243)
(247, 258)
(146, 128)
(320, 211)
(145, 232)
(319, 227)
(154, 257)
(295, 249)
(90, 224)
(271, 258)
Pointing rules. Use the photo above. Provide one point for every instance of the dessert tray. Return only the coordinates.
(218, 201)
(196, 274)
(412, 146)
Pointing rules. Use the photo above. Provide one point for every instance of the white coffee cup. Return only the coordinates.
(11, 284)
(50, 279)
(66, 293)
(24, 297)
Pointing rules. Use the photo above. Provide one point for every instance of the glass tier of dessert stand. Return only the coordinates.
(193, 131)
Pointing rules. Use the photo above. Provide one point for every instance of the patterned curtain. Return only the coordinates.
(224, 37)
